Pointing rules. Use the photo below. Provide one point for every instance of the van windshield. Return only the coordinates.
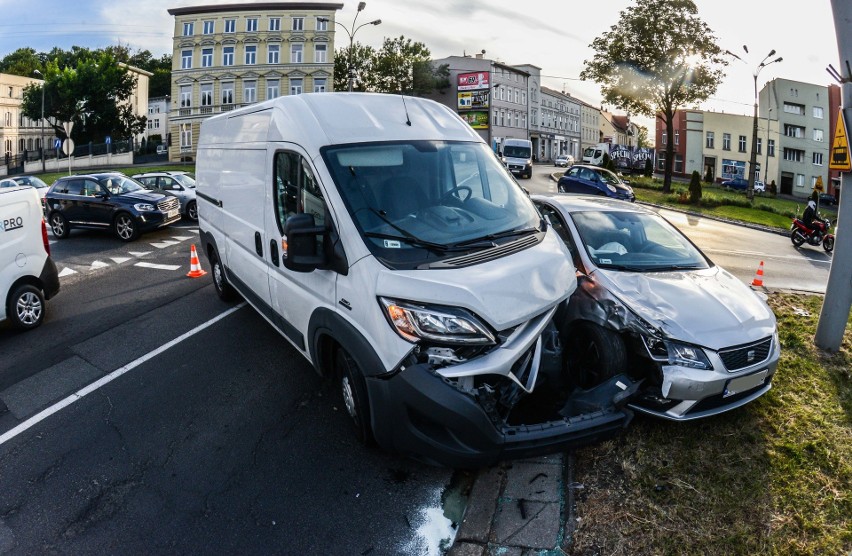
(516, 151)
(424, 200)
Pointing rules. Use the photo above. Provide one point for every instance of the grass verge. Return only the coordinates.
(773, 477)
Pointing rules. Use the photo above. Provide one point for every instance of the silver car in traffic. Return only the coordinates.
(650, 304)
(179, 184)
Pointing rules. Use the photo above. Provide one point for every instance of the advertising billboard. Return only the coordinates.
(473, 100)
(476, 119)
(473, 81)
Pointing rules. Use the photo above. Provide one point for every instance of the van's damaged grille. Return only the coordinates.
(745, 356)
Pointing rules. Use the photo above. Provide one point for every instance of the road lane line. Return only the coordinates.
(103, 381)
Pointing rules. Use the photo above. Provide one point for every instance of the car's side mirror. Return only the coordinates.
(303, 251)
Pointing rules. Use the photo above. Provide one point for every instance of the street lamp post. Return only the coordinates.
(753, 162)
(351, 33)
(36, 72)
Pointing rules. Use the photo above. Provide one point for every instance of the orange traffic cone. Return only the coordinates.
(758, 276)
(194, 266)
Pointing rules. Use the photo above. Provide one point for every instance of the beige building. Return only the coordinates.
(18, 134)
(590, 134)
(231, 55)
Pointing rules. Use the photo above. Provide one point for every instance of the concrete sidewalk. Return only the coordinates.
(519, 508)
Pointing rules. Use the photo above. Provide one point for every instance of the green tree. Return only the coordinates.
(362, 59)
(642, 137)
(695, 188)
(23, 62)
(659, 57)
(649, 168)
(708, 176)
(95, 95)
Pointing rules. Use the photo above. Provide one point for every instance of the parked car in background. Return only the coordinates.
(179, 184)
(827, 199)
(162, 149)
(31, 181)
(739, 184)
(593, 180)
(108, 201)
(650, 304)
(759, 186)
(564, 160)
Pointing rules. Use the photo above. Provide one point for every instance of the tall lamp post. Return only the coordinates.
(36, 72)
(753, 162)
(351, 32)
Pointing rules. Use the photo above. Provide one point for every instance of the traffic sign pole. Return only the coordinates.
(838, 293)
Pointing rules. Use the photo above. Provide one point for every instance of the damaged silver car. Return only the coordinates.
(651, 305)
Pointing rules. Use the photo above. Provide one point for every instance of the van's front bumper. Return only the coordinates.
(419, 413)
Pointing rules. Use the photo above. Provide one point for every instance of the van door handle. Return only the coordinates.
(258, 244)
(273, 251)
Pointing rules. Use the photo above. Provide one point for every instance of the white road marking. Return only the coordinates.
(164, 244)
(67, 272)
(159, 266)
(80, 394)
(181, 238)
(139, 253)
(98, 264)
(119, 260)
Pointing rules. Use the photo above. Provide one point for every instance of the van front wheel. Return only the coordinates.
(353, 391)
(26, 307)
(224, 290)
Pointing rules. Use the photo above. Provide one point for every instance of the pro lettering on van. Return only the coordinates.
(383, 238)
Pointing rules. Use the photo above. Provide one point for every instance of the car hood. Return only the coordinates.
(136, 196)
(709, 307)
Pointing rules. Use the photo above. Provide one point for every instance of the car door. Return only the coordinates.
(67, 198)
(97, 204)
(295, 295)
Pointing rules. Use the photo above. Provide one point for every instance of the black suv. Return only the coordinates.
(108, 200)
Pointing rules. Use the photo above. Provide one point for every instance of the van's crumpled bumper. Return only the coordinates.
(510, 402)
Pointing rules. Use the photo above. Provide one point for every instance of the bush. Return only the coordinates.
(708, 176)
(649, 168)
(695, 188)
(773, 189)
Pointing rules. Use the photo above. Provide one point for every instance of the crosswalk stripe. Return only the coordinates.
(181, 238)
(119, 260)
(159, 266)
(98, 264)
(164, 244)
(67, 272)
(139, 253)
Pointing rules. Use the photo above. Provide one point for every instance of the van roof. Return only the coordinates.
(319, 119)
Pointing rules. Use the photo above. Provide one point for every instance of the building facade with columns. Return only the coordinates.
(227, 56)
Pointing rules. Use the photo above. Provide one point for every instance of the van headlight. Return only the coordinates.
(435, 323)
(676, 353)
(144, 207)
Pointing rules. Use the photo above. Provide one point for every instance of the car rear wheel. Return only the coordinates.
(224, 290)
(353, 392)
(25, 308)
(59, 225)
(192, 210)
(124, 227)
(594, 354)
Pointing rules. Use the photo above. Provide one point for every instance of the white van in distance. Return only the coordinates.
(381, 236)
(28, 275)
(517, 156)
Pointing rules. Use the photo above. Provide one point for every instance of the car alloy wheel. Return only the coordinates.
(125, 227)
(192, 210)
(59, 225)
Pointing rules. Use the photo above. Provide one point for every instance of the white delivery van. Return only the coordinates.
(517, 156)
(385, 240)
(27, 273)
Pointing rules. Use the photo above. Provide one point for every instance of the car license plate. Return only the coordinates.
(744, 383)
(172, 213)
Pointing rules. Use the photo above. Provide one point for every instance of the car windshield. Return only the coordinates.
(514, 151)
(184, 179)
(414, 201)
(119, 185)
(609, 178)
(31, 181)
(637, 242)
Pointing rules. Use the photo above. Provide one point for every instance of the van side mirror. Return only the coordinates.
(304, 250)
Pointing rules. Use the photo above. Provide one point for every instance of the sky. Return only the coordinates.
(552, 34)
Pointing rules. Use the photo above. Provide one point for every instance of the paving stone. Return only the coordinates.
(482, 503)
(540, 529)
(466, 549)
(540, 482)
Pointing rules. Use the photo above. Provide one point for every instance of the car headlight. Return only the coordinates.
(611, 187)
(144, 207)
(435, 323)
(676, 353)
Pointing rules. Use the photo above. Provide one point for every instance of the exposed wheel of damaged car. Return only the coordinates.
(594, 354)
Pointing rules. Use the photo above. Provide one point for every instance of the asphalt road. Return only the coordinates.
(224, 442)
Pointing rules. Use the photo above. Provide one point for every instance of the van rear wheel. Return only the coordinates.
(353, 391)
(25, 308)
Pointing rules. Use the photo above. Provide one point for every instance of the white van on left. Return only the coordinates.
(28, 275)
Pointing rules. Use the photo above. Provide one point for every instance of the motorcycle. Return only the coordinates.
(816, 234)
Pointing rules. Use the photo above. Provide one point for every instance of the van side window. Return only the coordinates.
(296, 189)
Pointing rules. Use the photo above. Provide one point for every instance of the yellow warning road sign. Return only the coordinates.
(840, 159)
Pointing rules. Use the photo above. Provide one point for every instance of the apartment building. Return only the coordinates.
(231, 55)
(559, 125)
(804, 125)
(18, 134)
(158, 119)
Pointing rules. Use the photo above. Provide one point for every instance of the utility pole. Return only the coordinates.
(838, 293)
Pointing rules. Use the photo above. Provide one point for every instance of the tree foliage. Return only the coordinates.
(23, 61)
(659, 57)
(94, 94)
(400, 66)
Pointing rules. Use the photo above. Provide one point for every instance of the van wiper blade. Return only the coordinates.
(411, 240)
(487, 239)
